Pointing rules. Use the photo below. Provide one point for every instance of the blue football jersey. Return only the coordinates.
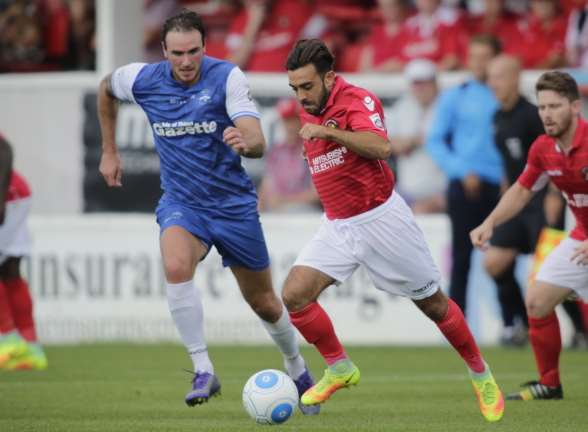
(198, 168)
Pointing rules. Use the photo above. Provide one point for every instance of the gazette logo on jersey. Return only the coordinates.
(184, 128)
(328, 160)
(369, 103)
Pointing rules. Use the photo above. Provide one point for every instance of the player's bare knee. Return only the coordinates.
(537, 308)
(293, 299)
(177, 269)
(266, 306)
(434, 307)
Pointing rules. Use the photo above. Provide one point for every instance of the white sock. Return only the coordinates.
(185, 305)
(285, 337)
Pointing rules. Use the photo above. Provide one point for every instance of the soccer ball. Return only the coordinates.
(270, 397)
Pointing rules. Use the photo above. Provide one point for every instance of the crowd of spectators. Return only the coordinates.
(47, 35)
(384, 35)
(366, 36)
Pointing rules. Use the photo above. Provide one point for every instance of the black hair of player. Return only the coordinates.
(310, 51)
(185, 21)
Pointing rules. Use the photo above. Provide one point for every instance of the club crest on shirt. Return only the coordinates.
(204, 96)
(584, 172)
(332, 123)
(369, 103)
(377, 121)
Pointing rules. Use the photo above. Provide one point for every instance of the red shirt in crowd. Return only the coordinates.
(569, 173)
(507, 28)
(541, 43)
(18, 188)
(347, 183)
(432, 38)
(281, 28)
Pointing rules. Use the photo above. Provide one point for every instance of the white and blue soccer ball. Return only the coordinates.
(270, 397)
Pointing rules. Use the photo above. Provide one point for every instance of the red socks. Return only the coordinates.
(21, 305)
(316, 327)
(6, 320)
(455, 329)
(545, 338)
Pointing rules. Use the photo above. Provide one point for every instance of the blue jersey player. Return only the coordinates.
(203, 122)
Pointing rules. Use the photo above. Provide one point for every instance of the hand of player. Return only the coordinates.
(111, 169)
(310, 131)
(481, 235)
(580, 255)
(234, 139)
(472, 187)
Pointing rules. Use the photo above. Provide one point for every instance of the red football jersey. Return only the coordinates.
(18, 188)
(347, 183)
(569, 173)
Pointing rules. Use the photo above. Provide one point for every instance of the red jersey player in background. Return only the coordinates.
(19, 348)
(366, 223)
(561, 155)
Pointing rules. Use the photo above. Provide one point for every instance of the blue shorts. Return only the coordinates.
(240, 241)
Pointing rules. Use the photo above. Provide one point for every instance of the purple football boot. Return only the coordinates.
(204, 386)
(303, 383)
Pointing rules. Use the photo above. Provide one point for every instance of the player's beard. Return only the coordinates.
(322, 101)
(566, 123)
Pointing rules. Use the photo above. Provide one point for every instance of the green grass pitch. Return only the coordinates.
(110, 387)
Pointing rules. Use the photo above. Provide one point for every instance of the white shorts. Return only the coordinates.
(386, 241)
(15, 238)
(558, 269)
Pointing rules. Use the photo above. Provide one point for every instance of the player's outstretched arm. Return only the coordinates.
(366, 144)
(110, 164)
(246, 139)
(511, 203)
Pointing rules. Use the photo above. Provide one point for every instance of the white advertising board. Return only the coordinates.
(99, 278)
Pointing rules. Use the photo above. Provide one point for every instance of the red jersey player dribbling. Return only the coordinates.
(346, 146)
(561, 155)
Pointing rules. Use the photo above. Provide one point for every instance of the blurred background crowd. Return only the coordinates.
(366, 36)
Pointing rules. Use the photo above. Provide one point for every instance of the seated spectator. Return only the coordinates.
(544, 36)
(577, 36)
(433, 33)
(83, 30)
(499, 22)
(382, 52)
(420, 182)
(265, 30)
(155, 12)
(286, 185)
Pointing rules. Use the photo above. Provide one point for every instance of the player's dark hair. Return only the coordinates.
(489, 40)
(560, 82)
(185, 21)
(310, 51)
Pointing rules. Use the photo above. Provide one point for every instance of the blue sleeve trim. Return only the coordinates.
(245, 114)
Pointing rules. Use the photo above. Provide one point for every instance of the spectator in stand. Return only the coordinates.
(497, 20)
(434, 33)
(577, 36)
(154, 13)
(83, 29)
(286, 185)
(265, 30)
(461, 142)
(419, 181)
(544, 36)
(382, 52)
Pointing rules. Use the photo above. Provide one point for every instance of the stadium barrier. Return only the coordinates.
(99, 278)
